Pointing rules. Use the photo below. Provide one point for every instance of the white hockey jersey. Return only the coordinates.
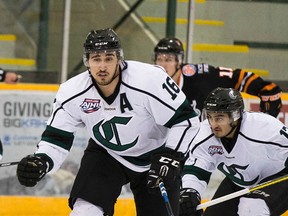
(261, 150)
(131, 123)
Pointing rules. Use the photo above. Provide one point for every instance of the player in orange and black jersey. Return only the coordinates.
(197, 80)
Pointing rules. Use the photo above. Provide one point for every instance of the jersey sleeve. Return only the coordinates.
(57, 138)
(199, 165)
(251, 83)
(196, 173)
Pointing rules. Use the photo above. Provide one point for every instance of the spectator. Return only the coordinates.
(9, 77)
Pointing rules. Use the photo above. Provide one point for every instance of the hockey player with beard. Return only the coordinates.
(197, 80)
(247, 147)
(140, 126)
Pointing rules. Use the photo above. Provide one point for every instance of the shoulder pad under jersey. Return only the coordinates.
(189, 70)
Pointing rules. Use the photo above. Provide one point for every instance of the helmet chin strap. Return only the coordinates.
(176, 70)
(115, 72)
(233, 126)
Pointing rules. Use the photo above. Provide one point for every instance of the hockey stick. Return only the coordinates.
(241, 192)
(9, 164)
(165, 197)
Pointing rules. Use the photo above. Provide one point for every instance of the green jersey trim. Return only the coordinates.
(201, 174)
(184, 112)
(58, 137)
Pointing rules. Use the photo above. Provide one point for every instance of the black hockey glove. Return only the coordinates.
(271, 104)
(189, 200)
(165, 166)
(32, 169)
(271, 107)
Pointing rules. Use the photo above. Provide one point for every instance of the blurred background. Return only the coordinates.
(43, 38)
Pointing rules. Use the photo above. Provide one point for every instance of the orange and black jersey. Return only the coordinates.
(199, 79)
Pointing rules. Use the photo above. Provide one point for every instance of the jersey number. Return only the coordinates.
(283, 131)
(171, 88)
(225, 73)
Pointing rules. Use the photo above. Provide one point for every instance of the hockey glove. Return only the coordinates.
(189, 200)
(271, 104)
(32, 169)
(165, 166)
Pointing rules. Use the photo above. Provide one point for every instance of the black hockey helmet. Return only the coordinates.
(100, 41)
(226, 100)
(169, 46)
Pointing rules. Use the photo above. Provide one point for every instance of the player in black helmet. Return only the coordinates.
(140, 126)
(172, 48)
(249, 148)
(197, 80)
(225, 101)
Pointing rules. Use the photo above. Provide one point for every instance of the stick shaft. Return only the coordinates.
(241, 192)
(165, 197)
(9, 164)
(223, 198)
(268, 183)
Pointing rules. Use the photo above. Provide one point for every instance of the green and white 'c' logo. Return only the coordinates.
(110, 131)
(232, 172)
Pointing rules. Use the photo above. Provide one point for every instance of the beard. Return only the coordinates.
(106, 80)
